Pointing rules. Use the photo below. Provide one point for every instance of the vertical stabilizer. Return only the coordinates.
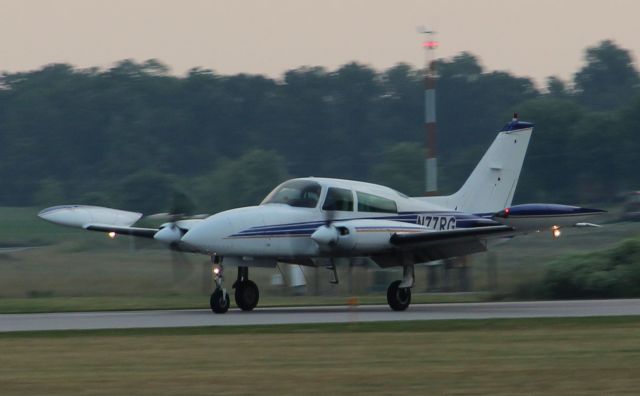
(492, 184)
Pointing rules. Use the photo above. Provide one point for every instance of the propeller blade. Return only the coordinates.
(164, 216)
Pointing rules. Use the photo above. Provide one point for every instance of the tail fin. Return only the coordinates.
(492, 184)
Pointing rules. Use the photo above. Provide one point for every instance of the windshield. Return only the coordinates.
(298, 193)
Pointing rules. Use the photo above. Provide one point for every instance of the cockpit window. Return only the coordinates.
(338, 199)
(298, 193)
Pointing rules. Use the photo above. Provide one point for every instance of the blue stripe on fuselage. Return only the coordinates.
(463, 220)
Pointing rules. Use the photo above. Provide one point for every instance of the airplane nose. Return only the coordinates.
(216, 234)
(207, 236)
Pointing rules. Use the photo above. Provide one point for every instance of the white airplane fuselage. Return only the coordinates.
(281, 230)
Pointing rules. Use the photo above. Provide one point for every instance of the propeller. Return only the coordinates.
(328, 237)
(327, 234)
(170, 233)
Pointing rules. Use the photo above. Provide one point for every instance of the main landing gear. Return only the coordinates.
(247, 294)
(246, 291)
(399, 292)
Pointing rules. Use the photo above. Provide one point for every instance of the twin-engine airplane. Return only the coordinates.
(311, 221)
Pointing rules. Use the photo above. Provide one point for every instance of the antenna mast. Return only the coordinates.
(431, 157)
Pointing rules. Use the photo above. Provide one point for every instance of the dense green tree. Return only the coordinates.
(399, 112)
(609, 78)
(463, 66)
(135, 136)
(145, 191)
(241, 182)
(612, 273)
(472, 104)
(402, 168)
(547, 169)
(626, 146)
(590, 160)
(556, 87)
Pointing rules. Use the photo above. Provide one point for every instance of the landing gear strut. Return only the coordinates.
(219, 300)
(399, 292)
(247, 294)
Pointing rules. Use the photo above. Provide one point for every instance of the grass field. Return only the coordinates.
(587, 356)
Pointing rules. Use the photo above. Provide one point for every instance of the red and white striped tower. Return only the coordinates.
(431, 157)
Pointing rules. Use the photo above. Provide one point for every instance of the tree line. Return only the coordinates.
(137, 137)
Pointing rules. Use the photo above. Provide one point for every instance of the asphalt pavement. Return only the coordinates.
(324, 314)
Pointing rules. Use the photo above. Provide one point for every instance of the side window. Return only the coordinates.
(338, 199)
(373, 203)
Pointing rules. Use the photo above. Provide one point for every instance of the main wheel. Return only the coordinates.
(219, 301)
(247, 295)
(398, 298)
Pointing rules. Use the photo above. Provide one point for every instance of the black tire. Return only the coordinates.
(247, 295)
(219, 301)
(398, 298)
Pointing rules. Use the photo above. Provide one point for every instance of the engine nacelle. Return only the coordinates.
(169, 233)
(355, 236)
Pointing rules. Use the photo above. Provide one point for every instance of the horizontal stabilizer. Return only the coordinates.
(588, 225)
(540, 216)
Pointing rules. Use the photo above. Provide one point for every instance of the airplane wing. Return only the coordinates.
(133, 231)
(169, 233)
(118, 222)
(181, 226)
(437, 245)
(82, 215)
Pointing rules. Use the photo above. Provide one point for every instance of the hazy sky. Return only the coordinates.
(534, 38)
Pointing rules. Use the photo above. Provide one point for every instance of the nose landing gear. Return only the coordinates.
(219, 301)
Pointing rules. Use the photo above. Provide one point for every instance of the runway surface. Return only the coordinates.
(333, 314)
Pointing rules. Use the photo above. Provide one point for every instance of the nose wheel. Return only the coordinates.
(219, 301)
